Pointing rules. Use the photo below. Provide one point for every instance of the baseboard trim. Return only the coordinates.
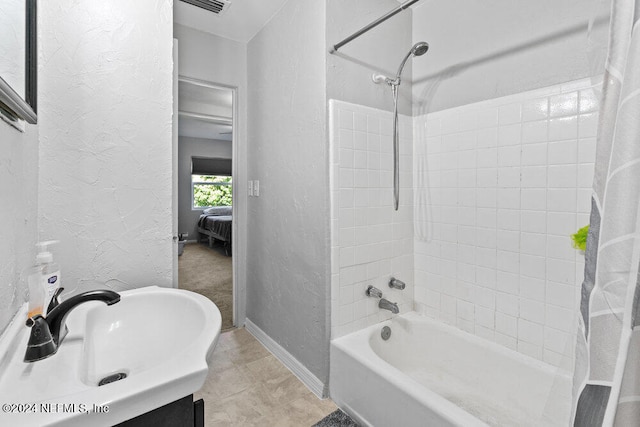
(298, 369)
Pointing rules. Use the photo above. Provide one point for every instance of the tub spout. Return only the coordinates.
(388, 305)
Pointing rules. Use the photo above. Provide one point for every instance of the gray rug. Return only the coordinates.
(336, 419)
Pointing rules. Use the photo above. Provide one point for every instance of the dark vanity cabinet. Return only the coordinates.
(181, 413)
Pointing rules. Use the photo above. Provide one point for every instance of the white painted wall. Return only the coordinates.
(378, 51)
(18, 215)
(288, 268)
(217, 60)
(105, 114)
(188, 148)
(487, 49)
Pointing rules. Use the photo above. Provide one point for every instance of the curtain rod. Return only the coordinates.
(380, 20)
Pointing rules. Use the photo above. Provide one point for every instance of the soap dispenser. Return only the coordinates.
(44, 280)
(36, 293)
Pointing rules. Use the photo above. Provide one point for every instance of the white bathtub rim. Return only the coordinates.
(419, 392)
(357, 346)
(500, 349)
(402, 381)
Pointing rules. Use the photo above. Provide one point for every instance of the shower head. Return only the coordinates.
(418, 49)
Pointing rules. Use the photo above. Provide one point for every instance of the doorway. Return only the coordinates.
(206, 193)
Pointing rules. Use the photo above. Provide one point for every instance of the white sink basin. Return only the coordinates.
(162, 339)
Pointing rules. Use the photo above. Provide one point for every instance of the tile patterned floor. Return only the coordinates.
(248, 386)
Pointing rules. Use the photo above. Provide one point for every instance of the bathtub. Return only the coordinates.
(432, 374)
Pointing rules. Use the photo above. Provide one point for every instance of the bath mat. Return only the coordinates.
(336, 419)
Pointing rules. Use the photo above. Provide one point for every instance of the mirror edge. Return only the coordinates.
(13, 105)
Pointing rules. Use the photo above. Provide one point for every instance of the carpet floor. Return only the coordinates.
(209, 272)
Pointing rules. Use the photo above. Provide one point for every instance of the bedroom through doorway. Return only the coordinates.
(206, 192)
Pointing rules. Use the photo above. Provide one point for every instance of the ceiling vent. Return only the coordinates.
(219, 7)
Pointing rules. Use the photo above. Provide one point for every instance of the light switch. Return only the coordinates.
(256, 188)
(250, 188)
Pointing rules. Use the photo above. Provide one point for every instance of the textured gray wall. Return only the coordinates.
(187, 148)
(380, 50)
(288, 253)
(18, 215)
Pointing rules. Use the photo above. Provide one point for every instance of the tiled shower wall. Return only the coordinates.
(503, 185)
(370, 242)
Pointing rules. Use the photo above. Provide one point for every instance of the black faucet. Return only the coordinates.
(47, 333)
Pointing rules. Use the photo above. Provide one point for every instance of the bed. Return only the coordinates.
(215, 225)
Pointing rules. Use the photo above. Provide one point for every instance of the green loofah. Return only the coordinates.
(580, 238)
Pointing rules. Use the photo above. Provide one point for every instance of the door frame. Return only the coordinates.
(174, 166)
(237, 217)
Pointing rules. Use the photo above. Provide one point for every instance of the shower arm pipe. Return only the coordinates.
(375, 23)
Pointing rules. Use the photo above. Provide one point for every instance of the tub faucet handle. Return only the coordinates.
(374, 292)
(396, 284)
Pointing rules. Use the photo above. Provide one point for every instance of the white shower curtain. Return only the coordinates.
(607, 372)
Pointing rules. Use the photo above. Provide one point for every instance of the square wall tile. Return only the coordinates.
(513, 182)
